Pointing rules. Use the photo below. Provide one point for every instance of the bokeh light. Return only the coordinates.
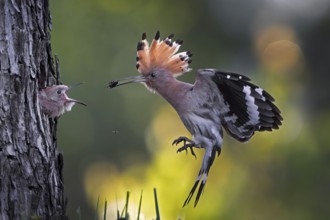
(278, 49)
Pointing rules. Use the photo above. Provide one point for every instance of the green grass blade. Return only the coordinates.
(96, 217)
(140, 204)
(118, 216)
(126, 205)
(78, 211)
(156, 204)
(105, 210)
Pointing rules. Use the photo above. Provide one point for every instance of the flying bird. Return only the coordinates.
(217, 100)
(54, 101)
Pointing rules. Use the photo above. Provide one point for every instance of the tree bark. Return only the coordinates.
(31, 182)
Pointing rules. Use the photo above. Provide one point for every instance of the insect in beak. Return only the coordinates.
(127, 80)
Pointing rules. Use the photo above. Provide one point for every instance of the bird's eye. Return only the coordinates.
(153, 75)
(59, 91)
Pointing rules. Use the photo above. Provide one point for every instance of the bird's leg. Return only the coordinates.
(186, 145)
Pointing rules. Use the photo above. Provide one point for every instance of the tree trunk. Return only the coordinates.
(31, 182)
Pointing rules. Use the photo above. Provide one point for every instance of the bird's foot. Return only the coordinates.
(184, 147)
(187, 143)
(180, 139)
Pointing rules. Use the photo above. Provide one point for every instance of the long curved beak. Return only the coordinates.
(127, 80)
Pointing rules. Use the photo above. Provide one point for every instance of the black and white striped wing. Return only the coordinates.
(249, 107)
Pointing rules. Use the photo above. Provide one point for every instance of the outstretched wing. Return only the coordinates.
(247, 107)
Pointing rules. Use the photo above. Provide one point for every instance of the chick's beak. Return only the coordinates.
(73, 100)
(76, 101)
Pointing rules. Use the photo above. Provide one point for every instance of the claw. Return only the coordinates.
(182, 149)
(185, 145)
(175, 142)
(192, 152)
(180, 139)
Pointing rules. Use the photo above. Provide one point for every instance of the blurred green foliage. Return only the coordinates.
(122, 140)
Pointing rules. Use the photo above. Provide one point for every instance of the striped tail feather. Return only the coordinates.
(202, 175)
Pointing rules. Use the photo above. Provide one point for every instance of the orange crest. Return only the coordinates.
(161, 54)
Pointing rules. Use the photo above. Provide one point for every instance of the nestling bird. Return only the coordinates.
(216, 100)
(54, 100)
